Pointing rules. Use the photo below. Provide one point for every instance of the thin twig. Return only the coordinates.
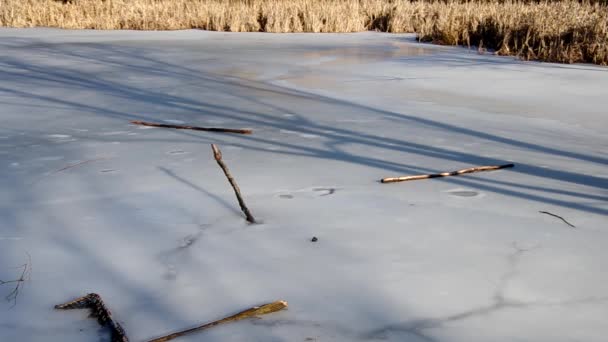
(25, 274)
(194, 128)
(100, 311)
(445, 174)
(249, 313)
(559, 217)
(217, 154)
(77, 164)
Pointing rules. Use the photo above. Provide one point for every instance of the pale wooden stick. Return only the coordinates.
(194, 128)
(99, 310)
(217, 154)
(445, 174)
(249, 313)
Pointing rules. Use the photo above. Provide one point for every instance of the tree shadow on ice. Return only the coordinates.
(212, 94)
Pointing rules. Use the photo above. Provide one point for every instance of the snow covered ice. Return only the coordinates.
(144, 216)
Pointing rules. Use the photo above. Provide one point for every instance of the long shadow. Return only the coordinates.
(28, 74)
(186, 182)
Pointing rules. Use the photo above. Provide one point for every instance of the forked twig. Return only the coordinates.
(194, 128)
(25, 274)
(98, 310)
(559, 217)
(217, 154)
(445, 174)
(249, 313)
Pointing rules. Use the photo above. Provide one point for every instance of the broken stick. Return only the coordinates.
(194, 128)
(249, 313)
(217, 154)
(445, 174)
(99, 310)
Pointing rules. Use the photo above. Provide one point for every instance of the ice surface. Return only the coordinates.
(144, 216)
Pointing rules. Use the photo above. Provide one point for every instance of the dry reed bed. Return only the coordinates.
(563, 31)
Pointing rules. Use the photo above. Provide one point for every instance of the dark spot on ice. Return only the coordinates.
(107, 170)
(314, 239)
(286, 196)
(187, 241)
(464, 193)
(327, 191)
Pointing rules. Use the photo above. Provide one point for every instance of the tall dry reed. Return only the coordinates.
(560, 31)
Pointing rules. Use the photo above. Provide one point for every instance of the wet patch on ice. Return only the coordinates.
(10, 238)
(360, 120)
(50, 158)
(215, 121)
(113, 133)
(324, 191)
(172, 257)
(320, 191)
(59, 136)
(177, 152)
(463, 193)
(303, 135)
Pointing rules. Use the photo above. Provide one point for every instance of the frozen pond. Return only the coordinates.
(144, 216)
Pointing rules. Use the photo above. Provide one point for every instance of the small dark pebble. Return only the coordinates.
(314, 239)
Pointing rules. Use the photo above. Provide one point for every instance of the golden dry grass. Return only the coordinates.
(561, 31)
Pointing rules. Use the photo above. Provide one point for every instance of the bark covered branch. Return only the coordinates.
(194, 128)
(217, 154)
(100, 311)
(445, 174)
(249, 313)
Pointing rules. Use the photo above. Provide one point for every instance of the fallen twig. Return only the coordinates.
(559, 217)
(249, 313)
(25, 273)
(217, 154)
(445, 174)
(99, 310)
(77, 164)
(194, 128)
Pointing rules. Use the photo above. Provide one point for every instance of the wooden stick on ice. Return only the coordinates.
(217, 154)
(559, 217)
(249, 313)
(99, 310)
(194, 128)
(445, 174)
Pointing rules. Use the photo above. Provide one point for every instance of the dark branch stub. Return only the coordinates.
(559, 217)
